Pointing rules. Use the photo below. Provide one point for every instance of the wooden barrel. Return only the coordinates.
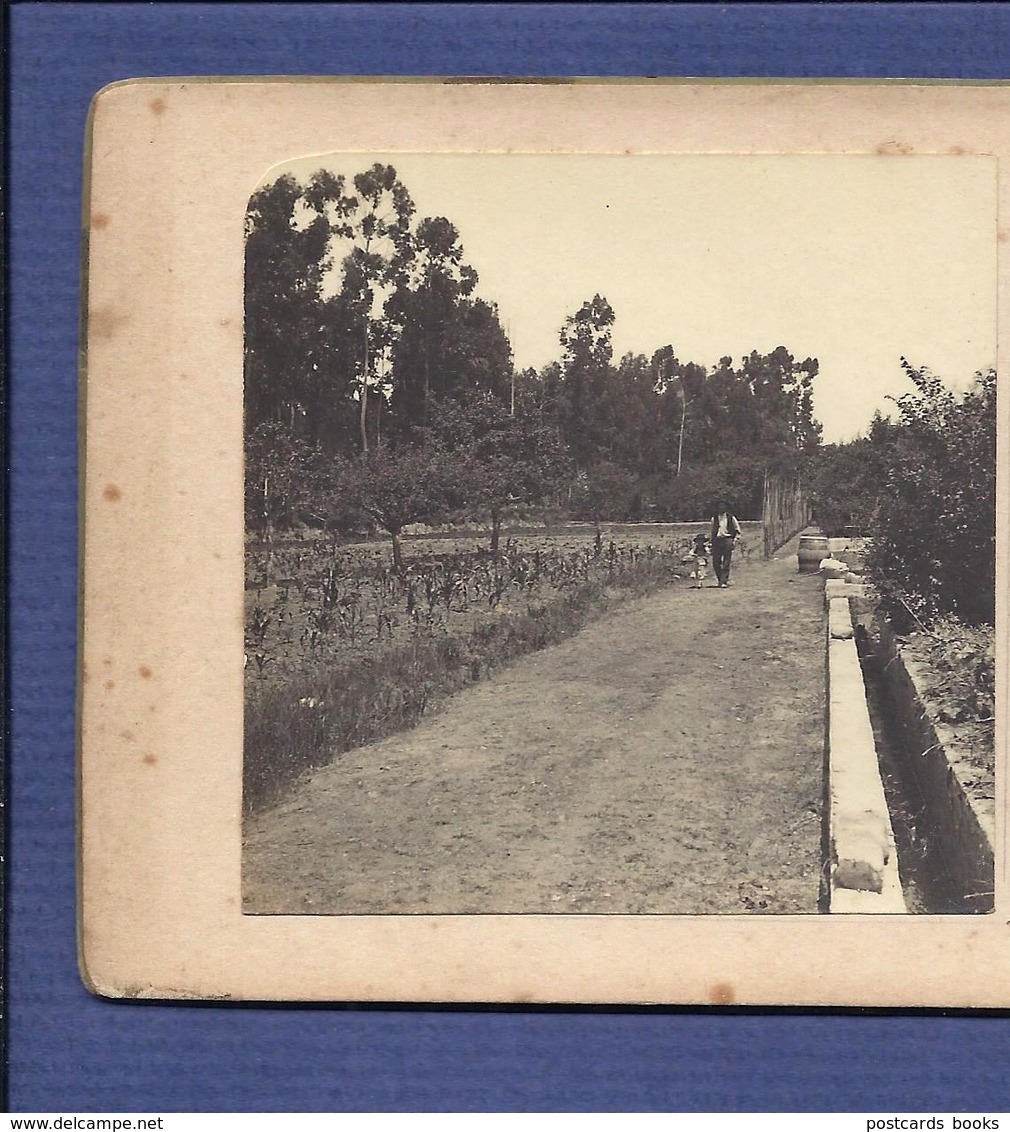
(811, 550)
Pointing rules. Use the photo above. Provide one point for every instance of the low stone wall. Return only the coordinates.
(863, 862)
(966, 830)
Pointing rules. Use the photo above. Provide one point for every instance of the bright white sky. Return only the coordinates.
(853, 260)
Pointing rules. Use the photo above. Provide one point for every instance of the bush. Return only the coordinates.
(933, 532)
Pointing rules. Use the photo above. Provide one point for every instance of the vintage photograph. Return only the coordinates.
(619, 535)
(544, 543)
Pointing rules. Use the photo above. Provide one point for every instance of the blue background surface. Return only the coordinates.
(71, 1052)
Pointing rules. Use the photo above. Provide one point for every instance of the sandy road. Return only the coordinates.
(668, 759)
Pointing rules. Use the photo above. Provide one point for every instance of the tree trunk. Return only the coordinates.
(427, 374)
(683, 421)
(397, 552)
(364, 397)
(495, 530)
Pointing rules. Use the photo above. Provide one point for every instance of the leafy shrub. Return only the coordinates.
(933, 531)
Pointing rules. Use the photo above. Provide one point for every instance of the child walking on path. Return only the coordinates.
(700, 552)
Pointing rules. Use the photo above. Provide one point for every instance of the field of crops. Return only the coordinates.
(316, 603)
(341, 649)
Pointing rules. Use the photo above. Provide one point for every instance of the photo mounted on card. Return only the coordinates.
(540, 543)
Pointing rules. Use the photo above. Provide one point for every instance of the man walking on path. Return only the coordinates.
(724, 533)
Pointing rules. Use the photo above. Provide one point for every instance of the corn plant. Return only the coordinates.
(258, 623)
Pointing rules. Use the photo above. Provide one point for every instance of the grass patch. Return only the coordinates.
(958, 663)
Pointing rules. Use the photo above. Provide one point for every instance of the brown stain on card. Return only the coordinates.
(157, 107)
(111, 493)
(894, 148)
(149, 759)
(100, 220)
(721, 994)
(104, 322)
(145, 672)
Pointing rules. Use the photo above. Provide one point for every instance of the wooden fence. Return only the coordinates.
(785, 511)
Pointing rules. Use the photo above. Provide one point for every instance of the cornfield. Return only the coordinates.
(341, 649)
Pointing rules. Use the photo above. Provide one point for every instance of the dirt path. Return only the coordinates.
(668, 759)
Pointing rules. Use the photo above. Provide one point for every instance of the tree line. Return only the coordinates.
(379, 384)
(380, 390)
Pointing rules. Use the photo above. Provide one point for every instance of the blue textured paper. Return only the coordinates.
(71, 1052)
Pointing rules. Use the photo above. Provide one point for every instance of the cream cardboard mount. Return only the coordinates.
(171, 166)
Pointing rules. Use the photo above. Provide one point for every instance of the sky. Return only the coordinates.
(854, 260)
